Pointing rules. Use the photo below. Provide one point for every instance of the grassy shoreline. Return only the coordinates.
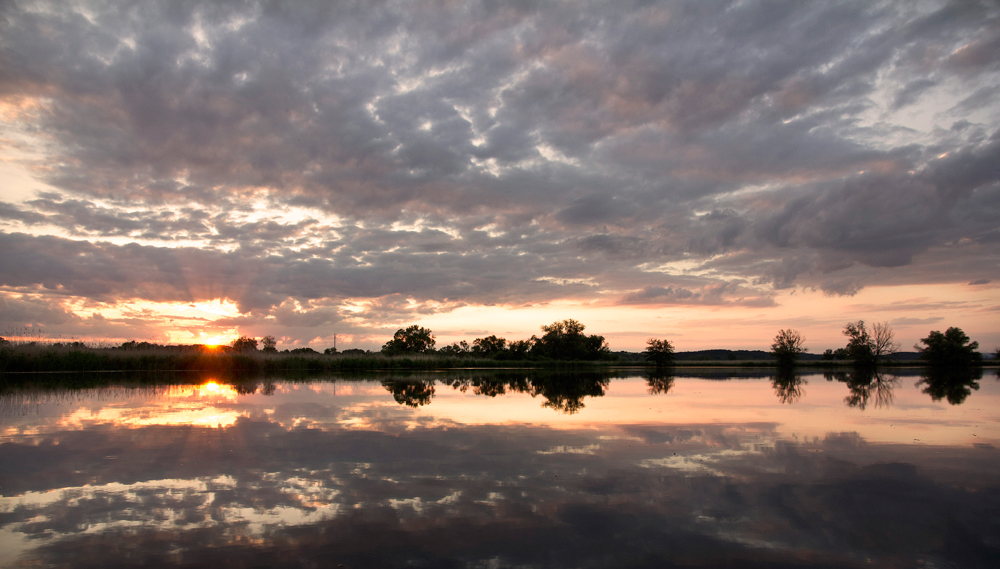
(49, 360)
(77, 360)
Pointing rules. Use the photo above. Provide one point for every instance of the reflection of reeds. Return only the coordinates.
(26, 400)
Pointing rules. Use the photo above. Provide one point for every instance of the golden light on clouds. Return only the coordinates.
(641, 193)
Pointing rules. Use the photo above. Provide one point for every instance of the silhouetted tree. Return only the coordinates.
(456, 349)
(489, 346)
(564, 340)
(660, 352)
(412, 340)
(868, 349)
(787, 346)
(133, 345)
(244, 344)
(952, 348)
(270, 344)
(330, 351)
(517, 350)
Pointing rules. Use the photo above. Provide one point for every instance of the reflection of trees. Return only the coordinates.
(562, 391)
(493, 384)
(787, 385)
(565, 392)
(953, 383)
(410, 393)
(660, 380)
(867, 384)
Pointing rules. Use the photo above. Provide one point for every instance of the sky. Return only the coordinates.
(702, 172)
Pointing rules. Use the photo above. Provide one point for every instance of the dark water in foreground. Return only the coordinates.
(506, 470)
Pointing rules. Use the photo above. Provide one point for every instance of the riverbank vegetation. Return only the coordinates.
(562, 344)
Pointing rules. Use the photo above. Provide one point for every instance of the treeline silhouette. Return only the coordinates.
(562, 340)
(413, 347)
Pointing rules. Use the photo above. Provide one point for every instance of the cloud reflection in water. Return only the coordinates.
(304, 476)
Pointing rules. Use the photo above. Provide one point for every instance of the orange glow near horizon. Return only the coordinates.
(911, 310)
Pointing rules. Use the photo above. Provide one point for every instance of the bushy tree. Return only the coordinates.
(787, 346)
(412, 340)
(488, 347)
(244, 344)
(564, 340)
(270, 345)
(133, 345)
(457, 349)
(952, 348)
(518, 350)
(660, 352)
(869, 348)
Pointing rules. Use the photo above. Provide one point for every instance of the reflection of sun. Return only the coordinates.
(211, 388)
(204, 405)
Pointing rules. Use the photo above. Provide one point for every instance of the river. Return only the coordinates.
(489, 469)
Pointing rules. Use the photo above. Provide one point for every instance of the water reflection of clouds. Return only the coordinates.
(431, 494)
(348, 466)
(275, 499)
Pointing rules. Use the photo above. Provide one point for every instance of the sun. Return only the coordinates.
(214, 341)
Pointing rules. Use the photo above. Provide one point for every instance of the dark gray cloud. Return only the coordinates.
(506, 153)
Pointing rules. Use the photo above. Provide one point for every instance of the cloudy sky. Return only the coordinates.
(706, 172)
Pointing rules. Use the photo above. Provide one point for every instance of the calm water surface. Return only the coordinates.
(506, 469)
